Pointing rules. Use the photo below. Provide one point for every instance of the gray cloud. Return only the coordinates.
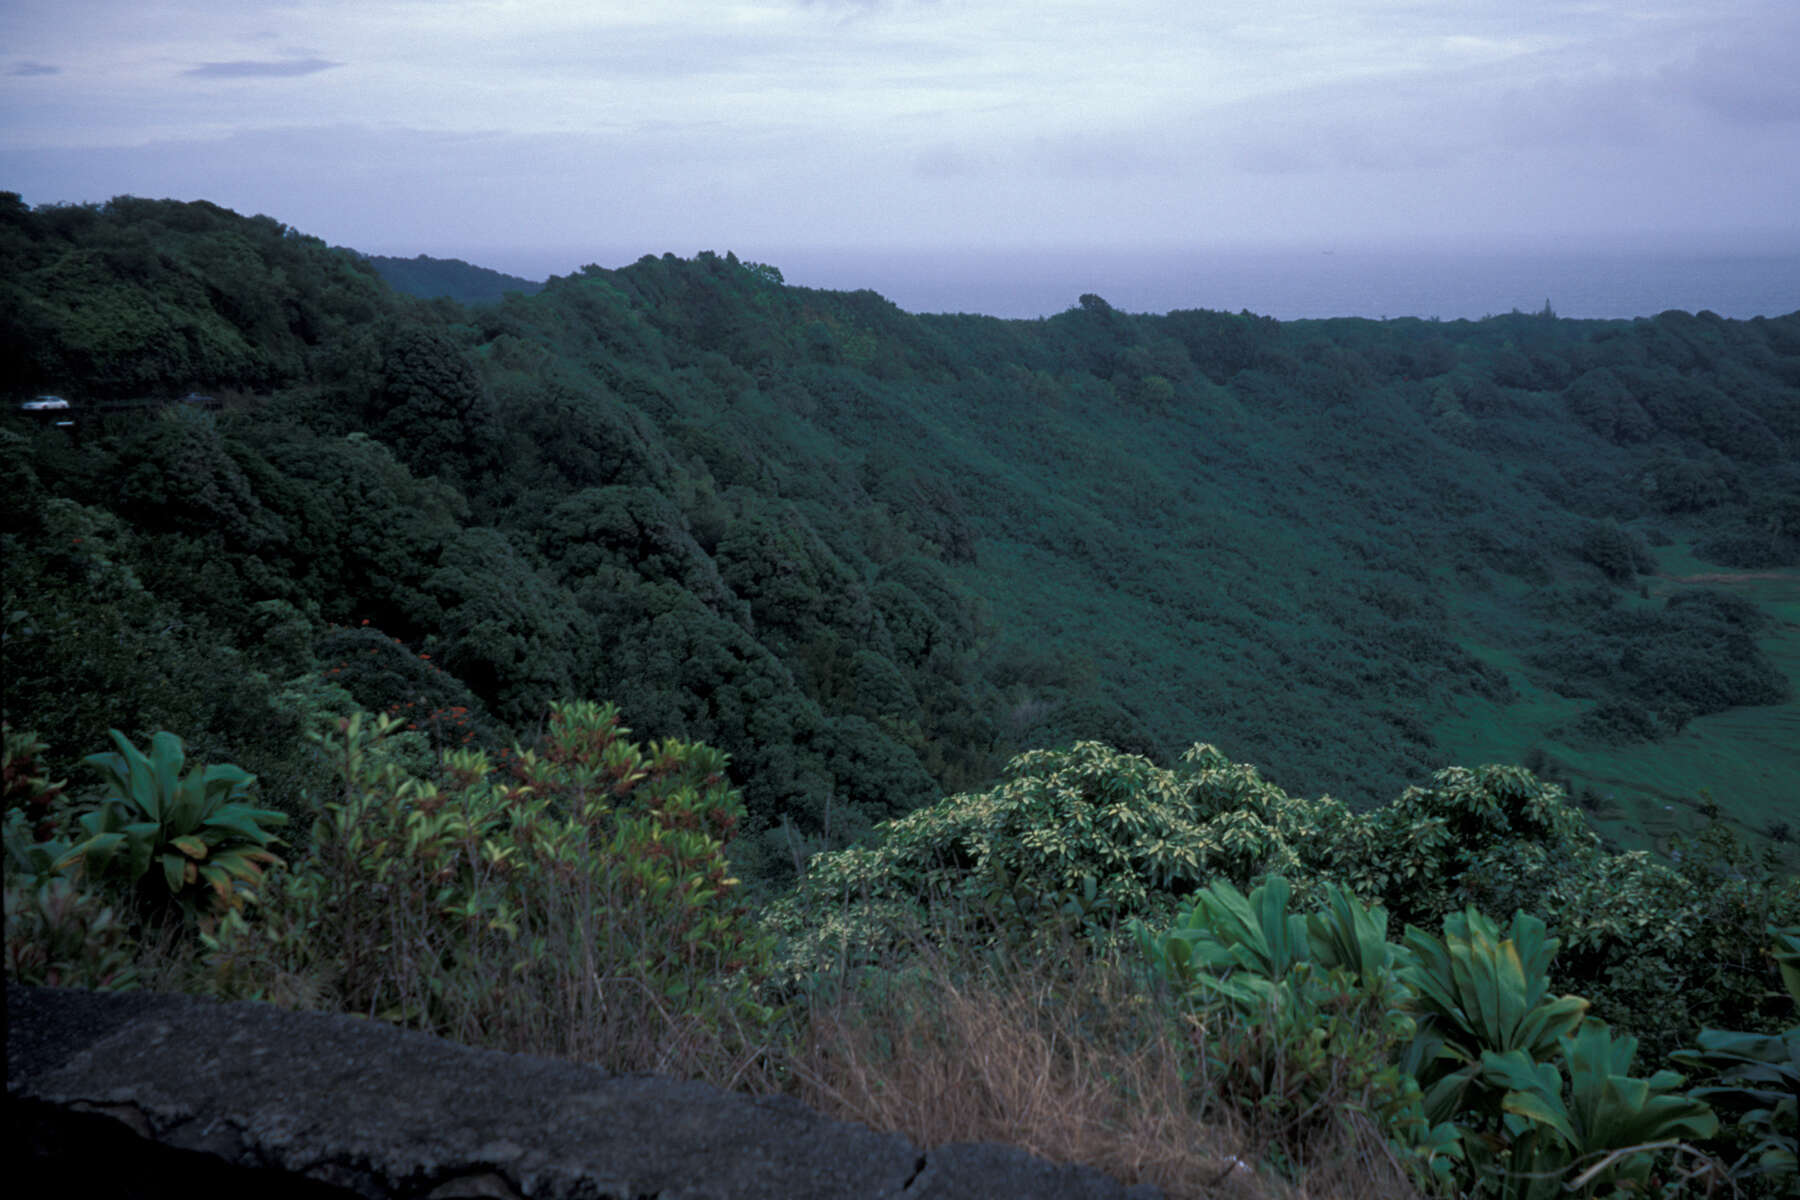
(650, 54)
(909, 122)
(261, 68)
(951, 161)
(1747, 83)
(762, 60)
(34, 68)
(1109, 154)
(1431, 120)
(864, 5)
(610, 196)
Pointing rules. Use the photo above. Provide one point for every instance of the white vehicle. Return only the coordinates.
(44, 403)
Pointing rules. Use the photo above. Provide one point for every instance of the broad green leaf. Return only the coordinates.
(1787, 959)
(166, 758)
(187, 805)
(175, 868)
(246, 822)
(1443, 1098)
(1350, 935)
(1541, 1108)
(1515, 1071)
(141, 848)
(228, 777)
(96, 853)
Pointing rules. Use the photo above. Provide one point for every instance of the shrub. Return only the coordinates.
(26, 786)
(1604, 1135)
(1494, 836)
(1619, 554)
(1616, 723)
(1304, 1017)
(59, 931)
(1088, 836)
(1664, 952)
(1756, 1077)
(62, 934)
(573, 899)
(1453, 1044)
(200, 829)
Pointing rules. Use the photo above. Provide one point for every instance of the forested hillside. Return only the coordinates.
(451, 279)
(872, 555)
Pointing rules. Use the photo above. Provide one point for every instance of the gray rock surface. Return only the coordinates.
(149, 1095)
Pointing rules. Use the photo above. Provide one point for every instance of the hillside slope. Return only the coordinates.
(450, 278)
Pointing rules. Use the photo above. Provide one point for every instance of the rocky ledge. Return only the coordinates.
(148, 1095)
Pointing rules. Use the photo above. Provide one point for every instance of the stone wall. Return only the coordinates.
(148, 1095)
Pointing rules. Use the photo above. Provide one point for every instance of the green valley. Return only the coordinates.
(682, 671)
(873, 554)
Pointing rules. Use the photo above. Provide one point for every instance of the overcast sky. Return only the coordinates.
(535, 135)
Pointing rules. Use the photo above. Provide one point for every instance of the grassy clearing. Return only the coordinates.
(1644, 795)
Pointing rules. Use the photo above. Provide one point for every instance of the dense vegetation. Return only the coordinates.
(872, 555)
(1067, 961)
(881, 559)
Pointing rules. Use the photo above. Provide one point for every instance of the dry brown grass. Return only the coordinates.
(1061, 1051)
(1070, 1061)
(1063, 1054)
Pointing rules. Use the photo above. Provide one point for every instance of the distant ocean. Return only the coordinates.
(1292, 285)
(1578, 281)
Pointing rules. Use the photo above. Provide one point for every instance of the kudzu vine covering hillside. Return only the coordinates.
(871, 554)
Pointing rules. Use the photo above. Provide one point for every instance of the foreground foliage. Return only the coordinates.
(1756, 1077)
(199, 829)
(575, 898)
(1456, 1047)
(1453, 1043)
(1090, 837)
(572, 898)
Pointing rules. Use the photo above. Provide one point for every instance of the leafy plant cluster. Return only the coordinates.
(1090, 837)
(56, 932)
(1304, 1013)
(165, 842)
(1758, 1078)
(572, 898)
(1494, 1085)
(547, 899)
